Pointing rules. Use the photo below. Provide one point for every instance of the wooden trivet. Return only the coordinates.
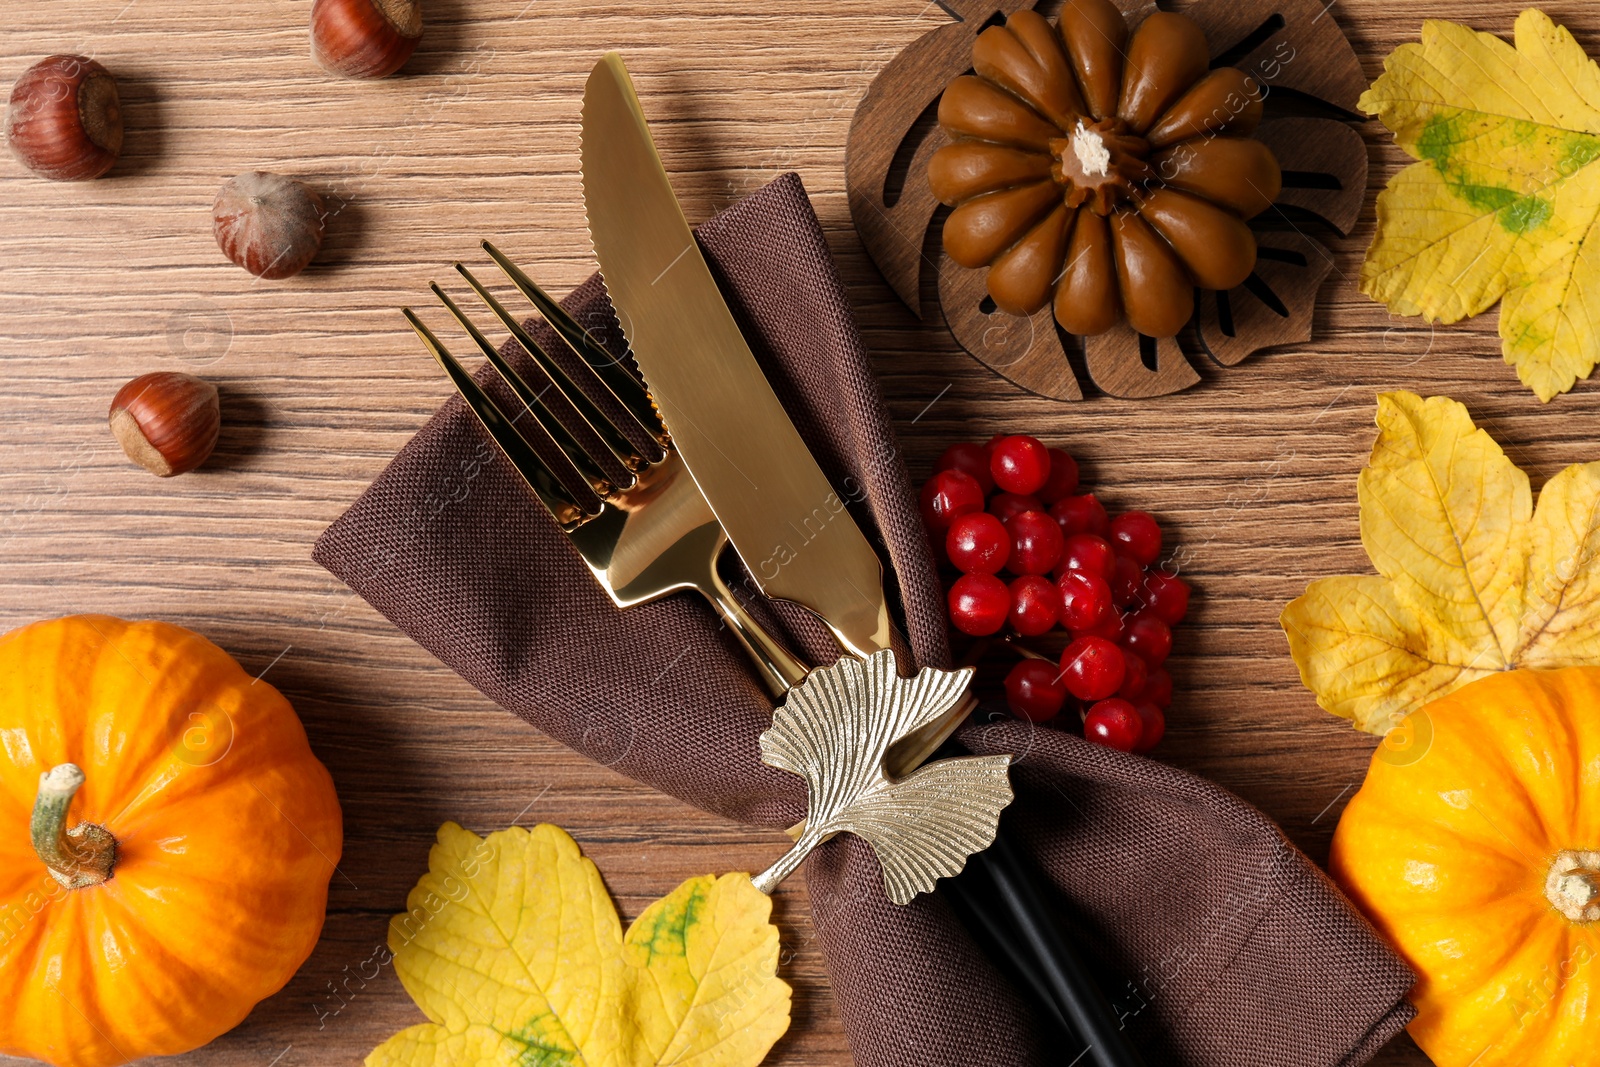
(1313, 80)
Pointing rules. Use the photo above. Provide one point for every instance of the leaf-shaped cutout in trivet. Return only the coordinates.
(834, 730)
(1293, 47)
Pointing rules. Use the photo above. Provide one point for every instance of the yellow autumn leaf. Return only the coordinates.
(1506, 197)
(511, 947)
(1472, 578)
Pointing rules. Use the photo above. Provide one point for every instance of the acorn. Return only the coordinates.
(270, 225)
(167, 422)
(364, 38)
(64, 121)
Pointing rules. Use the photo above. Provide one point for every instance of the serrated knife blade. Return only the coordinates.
(788, 523)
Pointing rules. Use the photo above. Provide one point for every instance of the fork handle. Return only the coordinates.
(778, 668)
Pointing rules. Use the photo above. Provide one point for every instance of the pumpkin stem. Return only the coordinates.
(81, 856)
(1573, 885)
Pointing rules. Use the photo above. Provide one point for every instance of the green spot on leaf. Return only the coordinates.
(1524, 214)
(535, 1053)
(545, 1043)
(1580, 151)
(1516, 213)
(1440, 137)
(669, 931)
(1486, 198)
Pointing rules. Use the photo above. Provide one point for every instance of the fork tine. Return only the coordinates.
(614, 439)
(575, 452)
(624, 386)
(569, 515)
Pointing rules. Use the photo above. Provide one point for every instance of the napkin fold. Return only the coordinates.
(1235, 949)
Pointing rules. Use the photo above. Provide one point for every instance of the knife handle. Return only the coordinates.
(780, 671)
(1008, 889)
(1059, 965)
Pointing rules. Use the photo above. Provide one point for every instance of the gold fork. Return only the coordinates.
(644, 529)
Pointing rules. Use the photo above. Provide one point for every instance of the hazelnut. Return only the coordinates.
(166, 422)
(64, 121)
(364, 38)
(268, 224)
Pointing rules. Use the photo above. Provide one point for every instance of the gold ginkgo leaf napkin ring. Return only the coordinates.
(834, 730)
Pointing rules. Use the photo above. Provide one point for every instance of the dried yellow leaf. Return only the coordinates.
(511, 946)
(1506, 198)
(1471, 578)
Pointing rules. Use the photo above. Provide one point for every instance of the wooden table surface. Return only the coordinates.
(1252, 472)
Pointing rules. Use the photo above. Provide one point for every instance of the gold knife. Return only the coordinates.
(785, 519)
(779, 509)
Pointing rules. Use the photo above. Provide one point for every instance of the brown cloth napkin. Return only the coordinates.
(1236, 950)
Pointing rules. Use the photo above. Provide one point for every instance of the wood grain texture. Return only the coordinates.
(1252, 472)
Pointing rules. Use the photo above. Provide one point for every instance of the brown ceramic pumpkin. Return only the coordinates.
(1112, 173)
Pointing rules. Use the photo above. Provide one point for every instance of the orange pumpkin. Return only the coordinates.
(1475, 848)
(195, 879)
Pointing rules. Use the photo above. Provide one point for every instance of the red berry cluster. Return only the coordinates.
(1013, 505)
